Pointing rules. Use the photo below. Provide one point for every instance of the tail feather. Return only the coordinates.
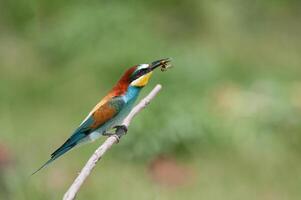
(62, 150)
(44, 165)
(68, 145)
(71, 142)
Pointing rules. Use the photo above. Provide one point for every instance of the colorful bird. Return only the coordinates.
(112, 109)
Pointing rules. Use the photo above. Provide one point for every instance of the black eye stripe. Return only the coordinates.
(140, 72)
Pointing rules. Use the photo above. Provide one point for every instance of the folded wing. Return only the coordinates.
(101, 114)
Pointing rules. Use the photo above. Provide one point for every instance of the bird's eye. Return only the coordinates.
(140, 72)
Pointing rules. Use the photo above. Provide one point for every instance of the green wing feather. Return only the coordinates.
(95, 120)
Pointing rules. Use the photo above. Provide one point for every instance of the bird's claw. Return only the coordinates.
(119, 132)
(108, 134)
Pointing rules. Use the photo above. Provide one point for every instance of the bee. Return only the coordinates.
(165, 66)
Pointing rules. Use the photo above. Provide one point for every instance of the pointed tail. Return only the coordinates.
(44, 165)
(59, 152)
(75, 139)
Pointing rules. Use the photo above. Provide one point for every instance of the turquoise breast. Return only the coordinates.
(129, 99)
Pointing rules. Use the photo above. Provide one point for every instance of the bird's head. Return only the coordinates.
(139, 75)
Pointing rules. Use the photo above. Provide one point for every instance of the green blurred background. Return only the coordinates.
(226, 125)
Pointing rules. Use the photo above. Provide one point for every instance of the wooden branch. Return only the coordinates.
(97, 155)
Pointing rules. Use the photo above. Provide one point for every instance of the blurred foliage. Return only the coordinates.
(230, 107)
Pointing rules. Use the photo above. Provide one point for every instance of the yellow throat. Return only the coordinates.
(142, 81)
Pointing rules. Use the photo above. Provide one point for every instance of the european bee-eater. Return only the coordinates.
(112, 109)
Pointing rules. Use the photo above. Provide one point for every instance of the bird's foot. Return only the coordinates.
(120, 130)
(108, 134)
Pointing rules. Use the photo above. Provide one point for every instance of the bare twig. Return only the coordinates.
(97, 155)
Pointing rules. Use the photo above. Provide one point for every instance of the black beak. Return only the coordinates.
(159, 63)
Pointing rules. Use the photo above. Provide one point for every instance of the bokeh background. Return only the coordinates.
(226, 125)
